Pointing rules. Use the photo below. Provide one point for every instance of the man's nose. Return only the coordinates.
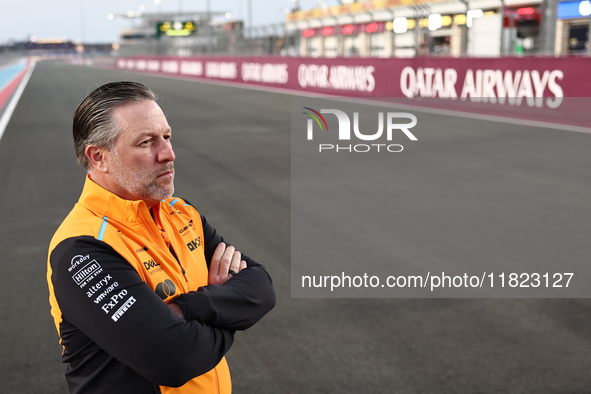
(166, 153)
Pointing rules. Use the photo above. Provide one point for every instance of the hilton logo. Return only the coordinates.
(86, 273)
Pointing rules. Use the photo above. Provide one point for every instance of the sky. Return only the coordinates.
(86, 20)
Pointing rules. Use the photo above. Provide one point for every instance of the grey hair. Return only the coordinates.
(93, 121)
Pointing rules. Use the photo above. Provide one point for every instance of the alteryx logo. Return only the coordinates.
(395, 122)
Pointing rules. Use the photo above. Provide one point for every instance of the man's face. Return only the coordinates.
(142, 160)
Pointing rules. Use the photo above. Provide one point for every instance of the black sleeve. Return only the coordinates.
(101, 294)
(237, 304)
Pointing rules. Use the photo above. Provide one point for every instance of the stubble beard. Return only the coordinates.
(142, 186)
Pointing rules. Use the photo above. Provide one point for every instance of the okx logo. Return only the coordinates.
(396, 122)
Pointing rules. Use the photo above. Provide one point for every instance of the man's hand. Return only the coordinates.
(176, 310)
(223, 261)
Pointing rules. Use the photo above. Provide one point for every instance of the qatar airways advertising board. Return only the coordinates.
(474, 84)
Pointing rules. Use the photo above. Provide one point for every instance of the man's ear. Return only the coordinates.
(98, 157)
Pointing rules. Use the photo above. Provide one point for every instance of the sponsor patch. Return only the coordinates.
(194, 244)
(87, 273)
(126, 305)
(102, 283)
(77, 260)
(114, 301)
(106, 292)
(165, 289)
(141, 250)
(185, 230)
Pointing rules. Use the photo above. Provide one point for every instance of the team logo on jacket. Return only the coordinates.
(150, 264)
(188, 227)
(77, 261)
(141, 250)
(165, 289)
(194, 244)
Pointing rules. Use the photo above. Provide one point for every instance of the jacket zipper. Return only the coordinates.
(178, 261)
(151, 227)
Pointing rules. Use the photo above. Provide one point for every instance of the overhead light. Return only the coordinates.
(308, 33)
(434, 21)
(372, 27)
(400, 25)
(585, 8)
(327, 31)
(110, 17)
(228, 15)
(348, 29)
(525, 11)
(471, 14)
(528, 43)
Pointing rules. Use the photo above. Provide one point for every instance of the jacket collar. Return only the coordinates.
(104, 203)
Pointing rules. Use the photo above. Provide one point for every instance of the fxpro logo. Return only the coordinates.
(392, 125)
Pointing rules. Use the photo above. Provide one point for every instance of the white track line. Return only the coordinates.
(14, 101)
(373, 102)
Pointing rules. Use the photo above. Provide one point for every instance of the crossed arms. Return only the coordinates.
(150, 338)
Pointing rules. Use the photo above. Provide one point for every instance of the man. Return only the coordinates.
(146, 296)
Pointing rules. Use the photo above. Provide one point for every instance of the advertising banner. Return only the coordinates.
(532, 88)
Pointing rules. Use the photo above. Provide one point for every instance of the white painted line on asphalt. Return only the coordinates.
(14, 101)
(375, 102)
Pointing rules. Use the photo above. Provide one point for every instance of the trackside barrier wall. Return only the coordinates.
(525, 87)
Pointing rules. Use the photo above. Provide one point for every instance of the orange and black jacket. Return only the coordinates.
(113, 265)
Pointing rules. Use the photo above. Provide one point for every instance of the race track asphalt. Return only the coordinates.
(233, 163)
